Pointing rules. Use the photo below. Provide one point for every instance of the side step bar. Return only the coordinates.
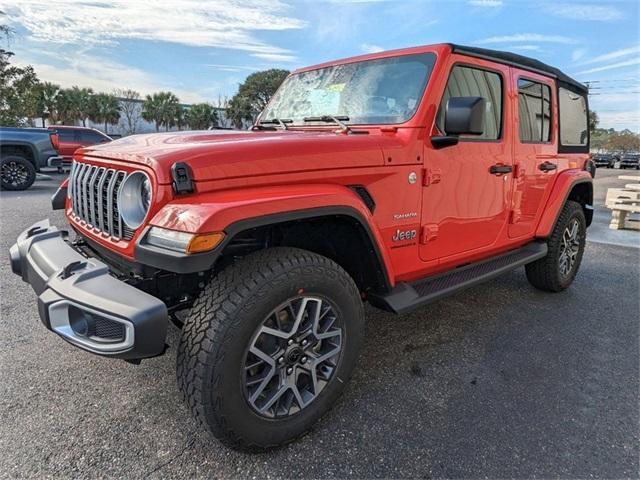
(408, 296)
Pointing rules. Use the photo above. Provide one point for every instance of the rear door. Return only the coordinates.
(465, 206)
(535, 150)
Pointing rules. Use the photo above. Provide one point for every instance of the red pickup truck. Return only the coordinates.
(72, 138)
(395, 178)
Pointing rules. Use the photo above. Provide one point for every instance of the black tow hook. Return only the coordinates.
(72, 267)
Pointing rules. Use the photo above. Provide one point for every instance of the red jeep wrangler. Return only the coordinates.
(395, 178)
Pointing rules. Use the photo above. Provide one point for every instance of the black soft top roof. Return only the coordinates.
(521, 61)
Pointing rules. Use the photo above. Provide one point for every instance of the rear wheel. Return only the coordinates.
(16, 173)
(269, 345)
(556, 271)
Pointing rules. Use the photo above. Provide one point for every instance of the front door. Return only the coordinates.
(465, 201)
(535, 151)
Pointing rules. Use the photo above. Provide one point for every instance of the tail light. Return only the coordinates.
(55, 140)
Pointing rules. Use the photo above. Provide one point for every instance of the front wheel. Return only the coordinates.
(269, 346)
(16, 173)
(556, 271)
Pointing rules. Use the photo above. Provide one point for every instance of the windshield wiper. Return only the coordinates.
(338, 120)
(281, 122)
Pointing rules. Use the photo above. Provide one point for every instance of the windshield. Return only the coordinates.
(384, 91)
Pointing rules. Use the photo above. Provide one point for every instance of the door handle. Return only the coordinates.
(498, 169)
(547, 166)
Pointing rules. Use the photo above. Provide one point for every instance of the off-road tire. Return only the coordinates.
(545, 273)
(219, 328)
(26, 168)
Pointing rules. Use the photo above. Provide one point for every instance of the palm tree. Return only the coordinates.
(163, 108)
(201, 116)
(73, 104)
(65, 112)
(81, 103)
(105, 108)
(47, 100)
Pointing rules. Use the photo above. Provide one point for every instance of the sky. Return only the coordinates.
(202, 50)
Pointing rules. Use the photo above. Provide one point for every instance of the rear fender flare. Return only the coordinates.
(564, 185)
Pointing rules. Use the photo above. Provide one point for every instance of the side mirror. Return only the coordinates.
(462, 116)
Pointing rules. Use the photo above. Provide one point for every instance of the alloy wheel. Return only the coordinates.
(13, 173)
(569, 247)
(292, 356)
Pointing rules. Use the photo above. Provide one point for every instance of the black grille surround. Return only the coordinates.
(94, 199)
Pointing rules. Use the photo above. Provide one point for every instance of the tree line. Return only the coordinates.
(24, 98)
(610, 139)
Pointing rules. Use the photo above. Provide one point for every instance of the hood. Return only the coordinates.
(238, 153)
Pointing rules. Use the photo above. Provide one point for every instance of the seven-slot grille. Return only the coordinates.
(94, 199)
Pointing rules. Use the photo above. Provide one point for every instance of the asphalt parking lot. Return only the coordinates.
(498, 381)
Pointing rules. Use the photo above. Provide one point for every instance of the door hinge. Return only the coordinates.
(429, 177)
(428, 233)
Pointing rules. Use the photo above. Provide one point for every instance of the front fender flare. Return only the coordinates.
(234, 211)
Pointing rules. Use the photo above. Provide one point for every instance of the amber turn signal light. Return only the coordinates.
(203, 242)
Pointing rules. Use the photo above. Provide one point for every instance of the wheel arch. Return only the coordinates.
(571, 185)
(337, 232)
(14, 148)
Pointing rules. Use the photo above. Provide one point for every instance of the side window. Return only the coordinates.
(573, 118)
(66, 135)
(534, 111)
(89, 137)
(473, 82)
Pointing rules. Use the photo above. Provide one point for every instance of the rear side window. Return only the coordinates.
(534, 111)
(67, 135)
(90, 137)
(573, 118)
(474, 82)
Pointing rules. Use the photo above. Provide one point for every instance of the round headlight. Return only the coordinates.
(134, 199)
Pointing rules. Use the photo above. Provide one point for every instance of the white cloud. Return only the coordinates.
(577, 54)
(529, 37)
(532, 48)
(369, 48)
(620, 119)
(616, 99)
(485, 3)
(626, 63)
(613, 55)
(232, 68)
(582, 11)
(104, 75)
(225, 24)
(351, 1)
(275, 57)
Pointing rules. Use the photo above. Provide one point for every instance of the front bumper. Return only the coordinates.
(82, 302)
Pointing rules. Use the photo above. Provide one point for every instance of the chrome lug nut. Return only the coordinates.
(281, 359)
(304, 342)
(289, 371)
(290, 342)
(303, 359)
